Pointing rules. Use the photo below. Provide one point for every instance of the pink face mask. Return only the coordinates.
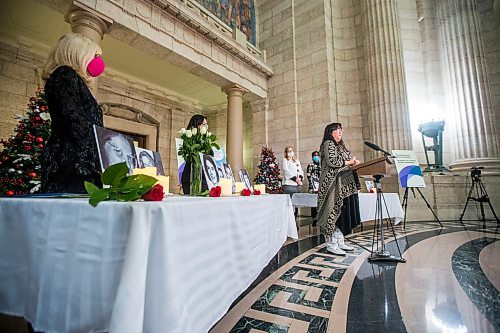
(96, 66)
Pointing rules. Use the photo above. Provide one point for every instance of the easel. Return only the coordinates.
(378, 168)
(405, 204)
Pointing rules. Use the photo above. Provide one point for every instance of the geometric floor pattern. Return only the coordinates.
(301, 295)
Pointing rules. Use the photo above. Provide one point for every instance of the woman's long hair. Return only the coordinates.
(328, 133)
(73, 50)
(196, 121)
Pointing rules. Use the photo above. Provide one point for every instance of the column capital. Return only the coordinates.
(88, 22)
(234, 90)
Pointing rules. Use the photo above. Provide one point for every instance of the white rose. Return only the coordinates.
(182, 131)
(203, 130)
(45, 115)
(189, 133)
(209, 134)
(194, 130)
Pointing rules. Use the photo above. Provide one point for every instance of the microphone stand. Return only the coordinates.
(381, 254)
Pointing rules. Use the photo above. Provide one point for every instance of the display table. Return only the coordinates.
(367, 204)
(170, 266)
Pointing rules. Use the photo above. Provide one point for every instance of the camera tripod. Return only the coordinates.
(481, 196)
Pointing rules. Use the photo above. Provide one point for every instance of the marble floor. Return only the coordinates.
(450, 282)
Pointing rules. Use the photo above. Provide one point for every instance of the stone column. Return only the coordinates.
(234, 140)
(467, 85)
(88, 23)
(389, 124)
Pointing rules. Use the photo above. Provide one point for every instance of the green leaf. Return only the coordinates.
(90, 188)
(215, 145)
(98, 196)
(139, 182)
(114, 174)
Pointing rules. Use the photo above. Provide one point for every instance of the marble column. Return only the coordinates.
(387, 111)
(88, 23)
(467, 85)
(234, 140)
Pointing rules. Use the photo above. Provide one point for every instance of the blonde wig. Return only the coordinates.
(73, 50)
(286, 153)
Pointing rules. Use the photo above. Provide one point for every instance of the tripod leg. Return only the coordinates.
(405, 205)
(429, 206)
(485, 194)
(467, 202)
(392, 227)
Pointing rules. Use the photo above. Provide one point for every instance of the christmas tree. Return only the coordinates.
(269, 172)
(20, 159)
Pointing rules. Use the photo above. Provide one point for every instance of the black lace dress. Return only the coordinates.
(70, 156)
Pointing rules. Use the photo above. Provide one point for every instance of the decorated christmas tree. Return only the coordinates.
(20, 159)
(269, 172)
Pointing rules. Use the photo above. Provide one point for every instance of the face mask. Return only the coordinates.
(316, 159)
(96, 66)
(290, 154)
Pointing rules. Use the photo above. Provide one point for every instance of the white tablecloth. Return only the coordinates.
(171, 266)
(367, 204)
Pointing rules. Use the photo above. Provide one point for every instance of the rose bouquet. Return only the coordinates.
(196, 141)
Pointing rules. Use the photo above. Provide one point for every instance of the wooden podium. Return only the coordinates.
(377, 166)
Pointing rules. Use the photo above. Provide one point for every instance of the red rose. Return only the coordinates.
(245, 192)
(154, 194)
(215, 191)
(256, 192)
(10, 193)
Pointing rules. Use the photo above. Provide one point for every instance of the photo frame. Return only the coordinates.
(148, 158)
(114, 147)
(210, 173)
(229, 174)
(245, 178)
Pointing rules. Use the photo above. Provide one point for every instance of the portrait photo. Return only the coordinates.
(209, 170)
(114, 147)
(245, 178)
(148, 158)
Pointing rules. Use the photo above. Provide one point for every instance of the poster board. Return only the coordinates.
(409, 172)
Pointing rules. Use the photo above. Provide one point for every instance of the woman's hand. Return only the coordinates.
(352, 162)
(298, 181)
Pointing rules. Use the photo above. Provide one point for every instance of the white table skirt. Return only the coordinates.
(171, 266)
(367, 205)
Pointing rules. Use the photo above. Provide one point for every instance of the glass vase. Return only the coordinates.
(195, 186)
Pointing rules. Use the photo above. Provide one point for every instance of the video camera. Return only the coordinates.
(475, 171)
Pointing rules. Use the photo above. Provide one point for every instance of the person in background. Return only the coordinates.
(197, 121)
(70, 156)
(338, 203)
(292, 174)
(313, 172)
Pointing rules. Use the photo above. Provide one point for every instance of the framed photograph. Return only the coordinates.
(114, 147)
(245, 178)
(148, 158)
(209, 167)
(229, 174)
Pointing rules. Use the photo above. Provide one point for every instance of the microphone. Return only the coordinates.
(377, 148)
(372, 146)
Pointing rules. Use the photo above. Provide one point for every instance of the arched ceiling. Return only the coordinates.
(37, 27)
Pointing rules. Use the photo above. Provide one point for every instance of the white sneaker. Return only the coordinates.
(340, 241)
(334, 248)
